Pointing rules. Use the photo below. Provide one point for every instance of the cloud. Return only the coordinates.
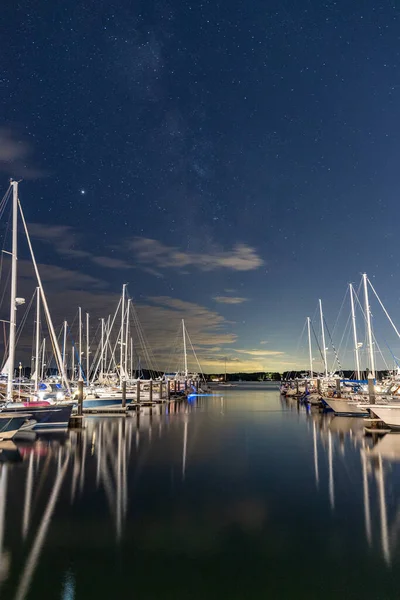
(111, 263)
(62, 237)
(264, 342)
(58, 277)
(260, 352)
(152, 252)
(229, 299)
(16, 156)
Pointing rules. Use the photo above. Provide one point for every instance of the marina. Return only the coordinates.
(199, 308)
(243, 483)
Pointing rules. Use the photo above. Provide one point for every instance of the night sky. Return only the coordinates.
(233, 161)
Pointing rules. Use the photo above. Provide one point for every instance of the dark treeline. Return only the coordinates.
(257, 376)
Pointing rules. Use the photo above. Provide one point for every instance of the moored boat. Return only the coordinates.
(10, 423)
(45, 415)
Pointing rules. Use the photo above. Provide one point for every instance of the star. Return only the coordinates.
(83, 192)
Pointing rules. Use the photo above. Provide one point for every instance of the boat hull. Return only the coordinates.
(345, 408)
(390, 416)
(102, 402)
(10, 424)
(50, 416)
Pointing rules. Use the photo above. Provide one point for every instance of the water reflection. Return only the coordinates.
(376, 454)
(194, 483)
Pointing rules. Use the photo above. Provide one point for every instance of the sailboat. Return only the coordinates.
(185, 376)
(343, 406)
(44, 413)
(224, 383)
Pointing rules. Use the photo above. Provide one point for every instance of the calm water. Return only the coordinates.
(243, 496)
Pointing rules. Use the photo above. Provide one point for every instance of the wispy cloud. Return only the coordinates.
(260, 352)
(230, 299)
(58, 277)
(152, 252)
(111, 263)
(16, 156)
(63, 238)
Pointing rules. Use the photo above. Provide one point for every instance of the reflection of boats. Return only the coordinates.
(10, 423)
(9, 452)
(346, 425)
(388, 447)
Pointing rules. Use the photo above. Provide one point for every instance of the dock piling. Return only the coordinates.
(371, 389)
(124, 394)
(138, 391)
(338, 391)
(151, 390)
(80, 398)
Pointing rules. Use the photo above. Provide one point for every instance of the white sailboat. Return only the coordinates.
(44, 413)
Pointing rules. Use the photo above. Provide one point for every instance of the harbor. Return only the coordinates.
(199, 307)
(244, 482)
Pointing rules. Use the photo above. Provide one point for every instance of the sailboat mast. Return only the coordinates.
(45, 305)
(121, 356)
(87, 348)
(369, 328)
(127, 338)
(184, 347)
(13, 306)
(353, 318)
(131, 357)
(102, 349)
(323, 338)
(309, 346)
(80, 344)
(64, 344)
(43, 357)
(37, 349)
(107, 332)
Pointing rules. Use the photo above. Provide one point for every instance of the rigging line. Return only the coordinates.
(380, 352)
(384, 309)
(195, 355)
(4, 201)
(301, 336)
(340, 310)
(107, 344)
(140, 336)
(6, 286)
(344, 350)
(316, 339)
(333, 346)
(23, 320)
(393, 356)
(173, 351)
(147, 348)
(374, 340)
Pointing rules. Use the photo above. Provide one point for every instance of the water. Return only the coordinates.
(243, 496)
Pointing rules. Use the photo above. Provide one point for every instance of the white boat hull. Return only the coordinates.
(389, 415)
(345, 407)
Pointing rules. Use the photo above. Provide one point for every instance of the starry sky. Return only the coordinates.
(233, 162)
